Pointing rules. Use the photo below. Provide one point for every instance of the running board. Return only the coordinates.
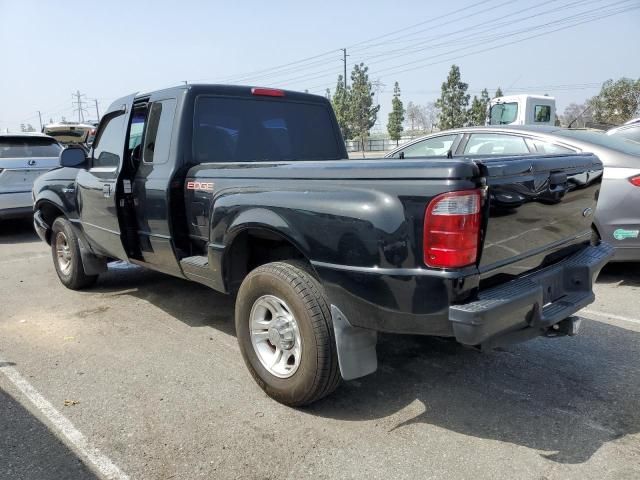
(196, 268)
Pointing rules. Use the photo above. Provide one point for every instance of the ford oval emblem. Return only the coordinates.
(587, 212)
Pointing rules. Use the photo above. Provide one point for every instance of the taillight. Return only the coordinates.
(452, 229)
(635, 181)
(267, 92)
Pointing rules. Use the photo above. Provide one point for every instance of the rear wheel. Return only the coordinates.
(67, 260)
(285, 333)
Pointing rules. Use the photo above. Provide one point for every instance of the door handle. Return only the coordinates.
(106, 190)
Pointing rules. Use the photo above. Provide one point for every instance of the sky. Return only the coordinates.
(109, 49)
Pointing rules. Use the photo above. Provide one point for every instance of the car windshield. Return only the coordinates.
(28, 147)
(503, 113)
(601, 138)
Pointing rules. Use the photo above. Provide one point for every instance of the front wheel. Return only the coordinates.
(67, 260)
(285, 333)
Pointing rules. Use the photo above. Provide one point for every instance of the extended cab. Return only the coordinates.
(249, 191)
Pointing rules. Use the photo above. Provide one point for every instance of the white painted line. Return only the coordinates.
(105, 466)
(609, 315)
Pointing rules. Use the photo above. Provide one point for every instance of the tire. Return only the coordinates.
(295, 380)
(66, 256)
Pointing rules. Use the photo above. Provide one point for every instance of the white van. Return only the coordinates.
(522, 110)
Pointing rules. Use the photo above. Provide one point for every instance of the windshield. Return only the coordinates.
(503, 113)
(247, 130)
(601, 138)
(28, 147)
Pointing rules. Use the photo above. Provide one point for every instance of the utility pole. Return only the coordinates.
(97, 111)
(79, 104)
(344, 60)
(40, 117)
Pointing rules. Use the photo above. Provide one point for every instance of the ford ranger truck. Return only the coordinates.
(250, 191)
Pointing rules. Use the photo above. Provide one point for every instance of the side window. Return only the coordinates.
(545, 147)
(108, 150)
(542, 113)
(158, 136)
(495, 144)
(136, 128)
(431, 147)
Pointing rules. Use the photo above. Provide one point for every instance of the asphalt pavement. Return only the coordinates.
(140, 377)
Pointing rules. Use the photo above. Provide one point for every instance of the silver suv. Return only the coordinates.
(23, 158)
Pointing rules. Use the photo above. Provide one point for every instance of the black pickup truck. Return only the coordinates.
(250, 191)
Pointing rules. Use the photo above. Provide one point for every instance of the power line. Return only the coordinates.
(279, 68)
(396, 69)
(396, 53)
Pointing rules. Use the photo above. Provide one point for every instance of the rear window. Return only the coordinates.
(28, 147)
(601, 138)
(632, 133)
(253, 130)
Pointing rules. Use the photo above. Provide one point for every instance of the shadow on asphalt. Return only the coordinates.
(30, 451)
(564, 397)
(17, 231)
(621, 273)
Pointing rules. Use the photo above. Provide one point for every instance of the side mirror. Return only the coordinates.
(73, 157)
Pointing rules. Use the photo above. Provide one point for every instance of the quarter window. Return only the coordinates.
(107, 151)
(158, 136)
(545, 147)
(495, 144)
(431, 147)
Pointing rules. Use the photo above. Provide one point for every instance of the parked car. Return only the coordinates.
(69, 133)
(630, 131)
(617, 218)
(23, 157)
(250, 191)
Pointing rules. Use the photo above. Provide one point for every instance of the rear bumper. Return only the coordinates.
(532, 304)
(423, 302)
(16, 204)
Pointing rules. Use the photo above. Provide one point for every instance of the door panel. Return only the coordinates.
(153, 190)
(97, 187)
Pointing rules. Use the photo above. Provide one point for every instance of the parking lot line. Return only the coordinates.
(64, 427)
(609, 315)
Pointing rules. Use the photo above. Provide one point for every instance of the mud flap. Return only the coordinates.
(356, 347)
(91, 263)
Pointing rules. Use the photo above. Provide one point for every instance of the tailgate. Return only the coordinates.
(18, 174)
(540, 209)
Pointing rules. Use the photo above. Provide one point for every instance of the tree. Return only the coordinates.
(412, 115)
(429, 116)
(362, 113)
(30, 128)
(453, 101)
(579, 114)
(617, 101)
(498, 93)
(341, 103)
(327, 94)
(396, 116)
(478, 112)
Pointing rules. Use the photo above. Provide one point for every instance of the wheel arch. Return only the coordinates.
(252, 245)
